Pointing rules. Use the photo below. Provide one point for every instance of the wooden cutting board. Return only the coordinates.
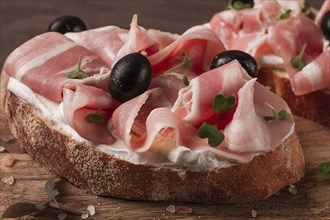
(312, 200)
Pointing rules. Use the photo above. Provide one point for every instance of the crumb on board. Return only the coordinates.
(293, 190)
(9, 180)
(8, 160)
(254, 213)
(179, 209)
(2, 149)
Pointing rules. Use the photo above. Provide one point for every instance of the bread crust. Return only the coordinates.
(314, 106)
(104, 175)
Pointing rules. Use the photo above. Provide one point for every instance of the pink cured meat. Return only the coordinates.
(194, 103)
(144, 41)
(43, 62)
(80, 100)
(199, 43)
(314, 76)
(293, 33)
(324, 9)
(249, 114)
(105, 42)
(232, 25)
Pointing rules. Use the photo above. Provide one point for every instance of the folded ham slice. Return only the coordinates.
(194, 103)
(105, 42)
(79, 101)
(314, 76)
(43, 62)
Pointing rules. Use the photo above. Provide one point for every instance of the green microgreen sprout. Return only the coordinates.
(239, 5)
(307, 10)
(298, 62)
(77, 73)
(282, 115)
(324, 168)
(94, 118)
(220, 104)
(284, 13)
(186, 63)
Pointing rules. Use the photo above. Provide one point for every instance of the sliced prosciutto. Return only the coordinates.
(43, 62)
(314, 76)
(79, 101)
(293, 33)
(105, 42)
(145, 41)
(249, 131)
(199, 43)
(194, 103)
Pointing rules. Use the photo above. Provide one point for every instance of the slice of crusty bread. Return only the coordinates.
(314, 106)
(102, 174)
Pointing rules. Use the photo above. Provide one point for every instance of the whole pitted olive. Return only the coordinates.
(130, 77)
(66, 24)
(325, 25)
(245, 59)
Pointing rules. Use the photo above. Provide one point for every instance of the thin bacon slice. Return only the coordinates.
(43, 62)
(105, 42)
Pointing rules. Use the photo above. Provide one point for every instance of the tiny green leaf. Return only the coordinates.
(215, 137)
(298, 62)
(94, 118)
(285, 14)
(324, 168)
(77, 73)
(281, 115)
(223, 104)
(19, 209)
(238, 5)
(185, 80)
(307, 6)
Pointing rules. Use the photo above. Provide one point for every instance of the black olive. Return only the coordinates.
(130, 77)
(245, 59)
(66, 24)
(325, 25)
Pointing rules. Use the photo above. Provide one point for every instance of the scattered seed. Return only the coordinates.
(254, 213)
(8, 160)
(9, 180)
(171, 208)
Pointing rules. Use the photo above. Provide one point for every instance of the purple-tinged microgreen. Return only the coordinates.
(185, 63)
(324, 168)
(77, 73)
(222, 104)
(239, 4)
(21, 209)
(282, 115)
(214, 136)
(298, 62)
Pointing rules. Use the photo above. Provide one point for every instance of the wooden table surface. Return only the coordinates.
(23, 19)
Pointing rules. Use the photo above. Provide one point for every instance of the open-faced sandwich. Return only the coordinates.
(149, 115)
(290, 41)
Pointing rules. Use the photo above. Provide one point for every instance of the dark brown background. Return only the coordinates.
(24, 19)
